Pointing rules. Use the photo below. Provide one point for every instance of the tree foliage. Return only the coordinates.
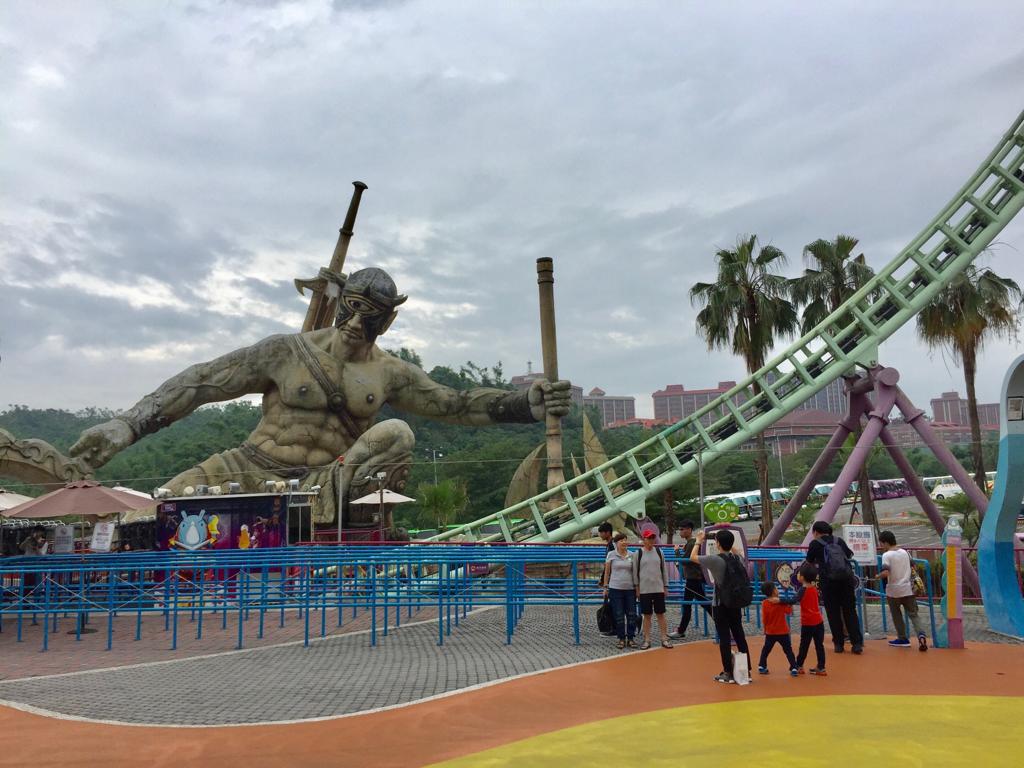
(976, 306)
(746, 310)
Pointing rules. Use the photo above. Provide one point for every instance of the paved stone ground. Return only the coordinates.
(341, 675)
(66, 654)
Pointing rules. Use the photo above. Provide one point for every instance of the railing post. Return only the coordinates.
(576, 601)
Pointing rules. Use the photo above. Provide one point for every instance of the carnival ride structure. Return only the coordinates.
(849, 337)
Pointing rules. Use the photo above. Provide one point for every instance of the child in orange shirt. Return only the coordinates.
(776, 629)
(812, 625)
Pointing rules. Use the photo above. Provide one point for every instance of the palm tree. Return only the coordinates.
(442, 502)
(832, 276)
(977, 305)
(745, 310)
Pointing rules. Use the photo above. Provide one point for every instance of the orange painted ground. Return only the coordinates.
(467, 723)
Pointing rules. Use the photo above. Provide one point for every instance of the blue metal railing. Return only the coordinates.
(311, 585)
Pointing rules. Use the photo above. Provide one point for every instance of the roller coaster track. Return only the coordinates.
(847, 337)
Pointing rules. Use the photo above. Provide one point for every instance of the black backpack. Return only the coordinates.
(640, 556)
(735, 590)
(837, 565)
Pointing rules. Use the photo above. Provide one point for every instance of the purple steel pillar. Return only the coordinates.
(912, 416)
(885, 385)
(843, 430)
(920, 492)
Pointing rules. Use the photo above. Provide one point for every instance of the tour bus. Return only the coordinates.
(781, 495)
(822, 489)
(750, 502)
(931, 482)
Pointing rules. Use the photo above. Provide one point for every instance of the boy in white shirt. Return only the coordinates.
(897, 569)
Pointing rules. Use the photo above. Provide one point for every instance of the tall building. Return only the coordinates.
(675, 402)
(611, 407)
(905, 436)
(524, 381)
(950, 408)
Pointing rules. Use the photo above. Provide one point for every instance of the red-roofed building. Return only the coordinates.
(613, 408)
(645, 423)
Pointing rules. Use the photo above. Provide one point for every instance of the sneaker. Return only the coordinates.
(799, 671)
(819, 671)
(858, 649)
(677, 635)
(922, 643)
(898, 643)
(793, 671)
(722, 677)
(762, 670)
(607, 634)
(839, 649)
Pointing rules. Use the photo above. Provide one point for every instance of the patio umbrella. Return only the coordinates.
(389, 497)
(82, 497)
(8, 499)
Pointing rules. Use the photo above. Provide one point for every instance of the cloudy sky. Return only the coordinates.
(169, 167)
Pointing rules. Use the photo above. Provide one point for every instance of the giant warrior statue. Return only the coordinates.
(322, 390)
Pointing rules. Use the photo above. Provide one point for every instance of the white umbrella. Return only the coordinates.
(389, 497)
(8, 499)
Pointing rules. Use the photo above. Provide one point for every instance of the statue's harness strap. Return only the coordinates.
(336, 399)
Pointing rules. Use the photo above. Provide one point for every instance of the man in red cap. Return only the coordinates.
(652, 586)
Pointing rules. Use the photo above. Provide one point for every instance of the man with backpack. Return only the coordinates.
(732, 594)
(833, 559)
(650, 572)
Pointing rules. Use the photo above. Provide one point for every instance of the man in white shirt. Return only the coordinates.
(897, 570)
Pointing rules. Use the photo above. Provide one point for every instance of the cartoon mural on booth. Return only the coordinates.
(222, 522)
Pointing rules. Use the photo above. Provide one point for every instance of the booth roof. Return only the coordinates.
(82, 497)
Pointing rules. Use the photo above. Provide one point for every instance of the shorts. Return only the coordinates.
(655, 600)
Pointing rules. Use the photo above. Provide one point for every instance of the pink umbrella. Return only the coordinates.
(82, 497)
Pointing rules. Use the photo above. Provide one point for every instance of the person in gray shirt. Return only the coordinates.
(651, 575)
(728, 621)
(620, 590)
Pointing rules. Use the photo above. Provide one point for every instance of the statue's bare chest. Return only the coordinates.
(360, 386)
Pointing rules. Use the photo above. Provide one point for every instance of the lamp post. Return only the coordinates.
(434, 454)
(380, 477)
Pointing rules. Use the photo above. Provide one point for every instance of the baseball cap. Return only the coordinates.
(649, 533)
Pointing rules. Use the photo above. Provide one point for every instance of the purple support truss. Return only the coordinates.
(887, 395)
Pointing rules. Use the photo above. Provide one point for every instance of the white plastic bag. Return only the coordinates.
(740, 670)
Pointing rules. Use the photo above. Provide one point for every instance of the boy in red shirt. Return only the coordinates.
(776, 629)
(812, 626)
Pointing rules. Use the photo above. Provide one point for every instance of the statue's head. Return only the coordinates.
(369, 300)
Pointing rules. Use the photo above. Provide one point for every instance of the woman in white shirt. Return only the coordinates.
(620, 590)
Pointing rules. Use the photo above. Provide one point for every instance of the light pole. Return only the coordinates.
(782, 477)
(435, 453)
(380, 477)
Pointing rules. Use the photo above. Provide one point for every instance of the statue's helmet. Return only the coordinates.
(373, 295)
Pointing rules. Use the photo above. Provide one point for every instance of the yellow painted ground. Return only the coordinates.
(876, 731)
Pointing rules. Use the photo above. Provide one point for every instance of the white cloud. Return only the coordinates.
(45, 76)
(172, 170)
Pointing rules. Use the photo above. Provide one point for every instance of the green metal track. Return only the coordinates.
(847, 337)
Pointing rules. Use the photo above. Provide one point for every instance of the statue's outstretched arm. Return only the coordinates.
(415, 392)
(242, 372)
